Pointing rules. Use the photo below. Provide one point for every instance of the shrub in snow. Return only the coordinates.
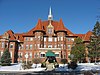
(64, 61)
(36, 60)
(56, 65)
(72, 65)
(26, 66)
(43, 64)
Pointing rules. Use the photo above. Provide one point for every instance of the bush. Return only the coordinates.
(64, 61)
(26, 66)
(72, 65)
(56, 65)
(43, 64)
(36, 60)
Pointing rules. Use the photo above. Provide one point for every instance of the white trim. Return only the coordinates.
(42, 53)
(50, 48)
(56, 52)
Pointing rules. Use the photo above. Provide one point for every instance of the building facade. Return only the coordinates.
(46, 36)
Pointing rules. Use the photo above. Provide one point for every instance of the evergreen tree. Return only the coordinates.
(6, 58)
(94, 46)
(78, 50)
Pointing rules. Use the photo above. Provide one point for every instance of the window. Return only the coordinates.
(61, 38)
(50, 31)
(26, 38)
(55, 46)
(20, 55)
(3, 44)
(55, 39)
(62, 46)
(50, 39)
(30, 55)
(72, 39)
(38, 45)
(69, 39)
(39, 37)
(57, 54)
(42, 55)
(1, 53)
(26, 47)
(11, 45)
(58, 38)
(21, 46)
(44, 46)
(44, 38)
(35, 55)
(31, 46)
(58, 46)
(69, 47)
(35, 46)
(31, 39)
(49, 46)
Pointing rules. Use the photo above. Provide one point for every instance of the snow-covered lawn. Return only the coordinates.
(81, 67)
(62, 67)
(17, 67)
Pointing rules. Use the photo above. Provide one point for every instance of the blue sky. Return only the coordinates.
(79, 16)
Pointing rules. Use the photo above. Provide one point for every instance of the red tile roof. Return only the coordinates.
(19, 37)
(60, 26)
(11, 35)
(42, 26)
(39, 26)
(80, 35)
(87, 36)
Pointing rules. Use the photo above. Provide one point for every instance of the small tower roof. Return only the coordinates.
(60, 26)
(39, 26)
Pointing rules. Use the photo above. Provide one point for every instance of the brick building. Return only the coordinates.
(46, 36)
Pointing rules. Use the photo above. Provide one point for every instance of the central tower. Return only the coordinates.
(50, 27)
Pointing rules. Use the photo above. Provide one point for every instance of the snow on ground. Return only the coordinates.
(81, 67)
(17, 67)
(62, 67)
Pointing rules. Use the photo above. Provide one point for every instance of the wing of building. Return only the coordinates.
(46, 36)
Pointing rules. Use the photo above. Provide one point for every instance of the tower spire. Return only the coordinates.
(50, 17)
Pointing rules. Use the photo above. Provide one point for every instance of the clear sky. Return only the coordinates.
(79, 16)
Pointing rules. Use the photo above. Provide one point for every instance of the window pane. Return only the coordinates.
(50, 39)
(26, 46)
(31, 46)
(44, 38)
(11, 46)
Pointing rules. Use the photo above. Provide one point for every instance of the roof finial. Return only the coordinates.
(50, 17)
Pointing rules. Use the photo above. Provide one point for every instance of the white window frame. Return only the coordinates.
(45, 38)
(3, 44)
(27, 47)
(31, 39)
(55, 39)
(31, 46)
(44, 45)
(11, 45)
(69, 47)
(50, 39)
(61, 38)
